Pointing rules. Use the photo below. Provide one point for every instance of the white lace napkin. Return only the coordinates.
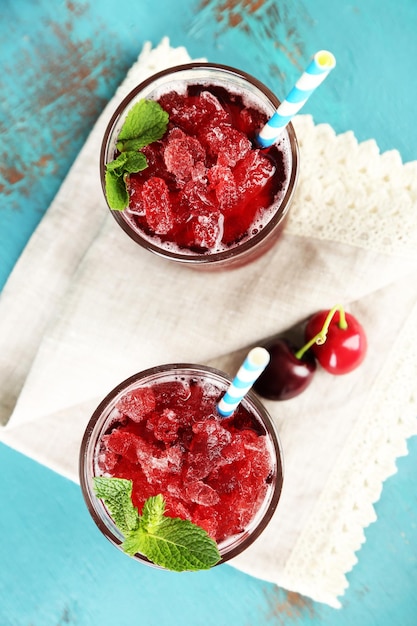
(85, 308)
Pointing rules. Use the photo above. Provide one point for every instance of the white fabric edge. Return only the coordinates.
(382, 423)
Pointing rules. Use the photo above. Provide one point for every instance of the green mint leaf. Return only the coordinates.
(173, 543)
(116, 494)
(135, 162)
(153, 511)
(118, 164)
(116, 192)
(130, 144)
(146, 121)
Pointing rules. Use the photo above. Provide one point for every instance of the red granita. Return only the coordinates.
(214, 471)
(207, 186)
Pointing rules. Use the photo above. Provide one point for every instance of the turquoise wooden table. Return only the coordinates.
(61, 63)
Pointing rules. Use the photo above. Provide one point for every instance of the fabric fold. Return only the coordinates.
(85, 308)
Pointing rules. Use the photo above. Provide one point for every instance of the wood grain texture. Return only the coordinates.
(57, 569)
(61, 62)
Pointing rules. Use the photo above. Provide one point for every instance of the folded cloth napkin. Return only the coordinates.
(85, 307)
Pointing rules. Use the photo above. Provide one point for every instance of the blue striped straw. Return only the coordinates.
(250, 370)
(322, 63)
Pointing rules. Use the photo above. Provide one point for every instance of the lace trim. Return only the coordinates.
(379, 438)
(379, 211)
(379, 215)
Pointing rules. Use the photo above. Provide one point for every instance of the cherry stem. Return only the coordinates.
(321, 336)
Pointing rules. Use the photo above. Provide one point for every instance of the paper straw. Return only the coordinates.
(322, 63)
(251, 368)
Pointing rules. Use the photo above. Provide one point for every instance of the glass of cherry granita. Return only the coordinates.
(161, 429)
(209, 197)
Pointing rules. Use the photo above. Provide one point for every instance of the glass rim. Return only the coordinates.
(99, 421)
(238, 250)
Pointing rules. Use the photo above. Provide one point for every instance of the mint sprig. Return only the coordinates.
(117, 496)
(173, 543)
(145, 123)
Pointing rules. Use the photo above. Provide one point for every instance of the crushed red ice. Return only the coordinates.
(201, 493)
(226, 143)
(137, 404)
(204, 183)
(207, 230)
(157, 204)
(210, 437)
(184, 155)
(223, 182)
(204, 222)
(194, 112)
(167, 426)
(210, 470)
(252, 174)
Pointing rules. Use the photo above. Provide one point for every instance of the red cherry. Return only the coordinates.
(344, 348)
(286, 375)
